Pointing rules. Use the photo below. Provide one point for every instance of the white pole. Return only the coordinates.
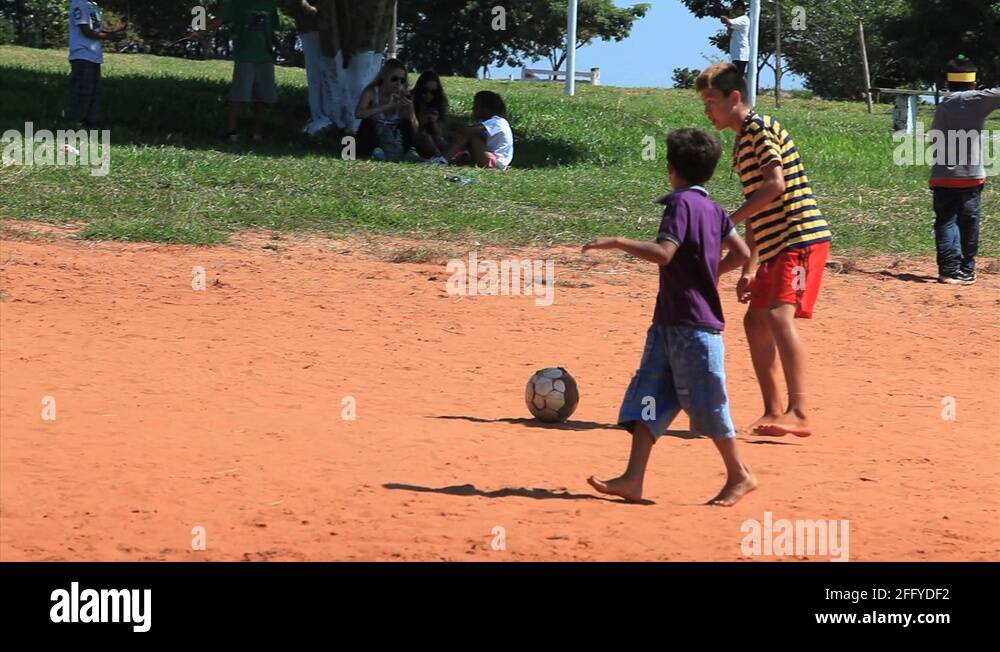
(754, 42)
(571, 50)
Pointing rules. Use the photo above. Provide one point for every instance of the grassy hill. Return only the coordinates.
(578, 172)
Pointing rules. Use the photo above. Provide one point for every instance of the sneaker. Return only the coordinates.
(257, 138)
(969, 276)
(412, 156)
(379, 155)
(438, 160)
(958, 279)
(232, 137)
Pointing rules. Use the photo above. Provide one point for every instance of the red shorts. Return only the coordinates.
(794, 277)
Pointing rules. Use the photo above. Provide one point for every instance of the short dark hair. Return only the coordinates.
(960, 64)
(491, 101)
(725, 77)
(694, 154)
(739, 4)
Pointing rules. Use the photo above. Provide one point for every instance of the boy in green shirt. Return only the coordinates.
(253, 24)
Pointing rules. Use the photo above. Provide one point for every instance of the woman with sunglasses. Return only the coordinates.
(430, 103)
(388, 121)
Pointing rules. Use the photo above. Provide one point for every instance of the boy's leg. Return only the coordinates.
(740, 480)
(795, 287)
(232, 122)
(240, 94)
(794, 421)
(96, 88)
(265, 93)
(968, 227)
(764, 355)
(946, 232)
(629, 484)
(649, 406)
(260, 110)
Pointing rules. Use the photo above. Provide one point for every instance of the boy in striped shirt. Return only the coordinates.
(789, 243)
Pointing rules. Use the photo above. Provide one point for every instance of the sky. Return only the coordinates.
(669, 37)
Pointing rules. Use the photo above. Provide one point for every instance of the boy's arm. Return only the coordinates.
(739, 253)
(749, 267)
(772, 187)
(660, 253)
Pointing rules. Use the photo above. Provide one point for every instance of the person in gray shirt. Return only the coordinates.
(958, 171)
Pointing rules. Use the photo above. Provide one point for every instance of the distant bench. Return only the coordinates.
(904, 114)
(593, 77)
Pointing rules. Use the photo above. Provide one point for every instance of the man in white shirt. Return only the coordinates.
(739, 40)
(86, 54)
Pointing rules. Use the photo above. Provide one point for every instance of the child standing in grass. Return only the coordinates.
(86, 55)
(488, 143)
(683, 364)
(789, 241)
(253, 24)
(957, 178)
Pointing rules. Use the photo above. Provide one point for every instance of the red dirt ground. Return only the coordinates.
(222, 409)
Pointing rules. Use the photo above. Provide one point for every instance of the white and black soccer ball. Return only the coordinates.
(551, 395)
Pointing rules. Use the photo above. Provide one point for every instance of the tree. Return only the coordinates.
(461, 37)
(684, 77)
(931, 32)
(820, 43)
(542, 34)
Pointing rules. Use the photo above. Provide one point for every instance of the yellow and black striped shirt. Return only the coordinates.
(793, 220)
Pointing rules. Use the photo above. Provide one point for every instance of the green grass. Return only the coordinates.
(578, 169)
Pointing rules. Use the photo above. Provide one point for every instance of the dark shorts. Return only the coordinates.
(85, 91)
(253, 82)
(682, 368)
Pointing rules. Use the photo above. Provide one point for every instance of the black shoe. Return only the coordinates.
(958, 278)
(968, 276)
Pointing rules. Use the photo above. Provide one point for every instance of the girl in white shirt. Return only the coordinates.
(489, 143)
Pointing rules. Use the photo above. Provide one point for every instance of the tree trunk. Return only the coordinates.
(777, 53)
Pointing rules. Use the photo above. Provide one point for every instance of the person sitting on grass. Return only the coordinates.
(488, 143)
(388, 121)
(430, 103)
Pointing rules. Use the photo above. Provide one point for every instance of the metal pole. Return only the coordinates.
(864, 61)
(777, 53)
(754, 42)
(571, 50)
(393, 38)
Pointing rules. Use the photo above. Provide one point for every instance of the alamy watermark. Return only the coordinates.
(952, 147)
(65, 147)
(804, 538)
(505, 277)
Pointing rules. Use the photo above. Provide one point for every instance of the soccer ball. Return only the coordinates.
(551, 395)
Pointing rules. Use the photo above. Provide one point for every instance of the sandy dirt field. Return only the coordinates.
(223, 409)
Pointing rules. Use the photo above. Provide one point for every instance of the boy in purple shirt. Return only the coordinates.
(683, 365)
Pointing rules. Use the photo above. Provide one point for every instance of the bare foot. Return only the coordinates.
(767, 419)
(627, 489)
(734, 490)
(787, 424)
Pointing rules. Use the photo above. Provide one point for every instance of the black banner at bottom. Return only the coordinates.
(388, 600)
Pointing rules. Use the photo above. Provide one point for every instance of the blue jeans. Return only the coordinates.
(956, 228)
(682, 368)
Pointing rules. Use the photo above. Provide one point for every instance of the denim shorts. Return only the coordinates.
(682, 368)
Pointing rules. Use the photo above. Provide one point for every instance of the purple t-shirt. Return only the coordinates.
(689, 293)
